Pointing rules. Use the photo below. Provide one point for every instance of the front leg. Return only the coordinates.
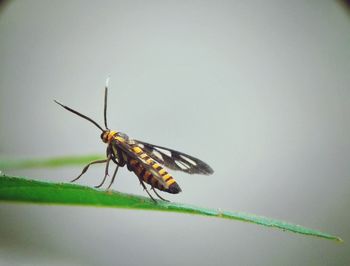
(87, 167)
(117, 155)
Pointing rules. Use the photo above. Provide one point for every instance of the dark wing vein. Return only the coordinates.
(175, 160)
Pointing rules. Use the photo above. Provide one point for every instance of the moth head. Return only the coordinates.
(104, 136)
(107, 135)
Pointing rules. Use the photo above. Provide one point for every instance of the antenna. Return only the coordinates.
(105, 103)
(79, 114)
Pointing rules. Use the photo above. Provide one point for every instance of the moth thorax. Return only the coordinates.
(122, 135)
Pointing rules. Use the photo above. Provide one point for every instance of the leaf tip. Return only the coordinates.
(339, 240)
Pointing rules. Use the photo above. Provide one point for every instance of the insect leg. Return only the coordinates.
(106, 171)
(87, 167)
(117, 156)
(159, 196)
(113, 177)
(144, 187)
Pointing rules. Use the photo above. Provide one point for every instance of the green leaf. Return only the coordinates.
(48, 163)
(15, 189)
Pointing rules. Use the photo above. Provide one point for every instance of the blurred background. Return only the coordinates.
(257, 89)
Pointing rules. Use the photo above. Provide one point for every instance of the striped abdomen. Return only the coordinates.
(169, 184)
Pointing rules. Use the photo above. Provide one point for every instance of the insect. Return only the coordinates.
(147, 161)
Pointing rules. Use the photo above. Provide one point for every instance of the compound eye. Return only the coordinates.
(104, 136)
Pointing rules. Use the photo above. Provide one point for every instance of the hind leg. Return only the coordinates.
(159, 196)
(144, 187)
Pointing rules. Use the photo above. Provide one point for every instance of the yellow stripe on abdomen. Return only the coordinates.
(143, 155)
(156, 166)
(166, 177)
(162, 171)
(137, 150)
(170, 181)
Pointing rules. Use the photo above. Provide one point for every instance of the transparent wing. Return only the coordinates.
(175, 160)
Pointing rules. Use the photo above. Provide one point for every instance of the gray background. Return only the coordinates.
(258, 89)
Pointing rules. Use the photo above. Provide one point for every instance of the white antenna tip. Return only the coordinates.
(107, 82)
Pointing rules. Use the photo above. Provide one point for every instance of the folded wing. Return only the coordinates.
(175, 160)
